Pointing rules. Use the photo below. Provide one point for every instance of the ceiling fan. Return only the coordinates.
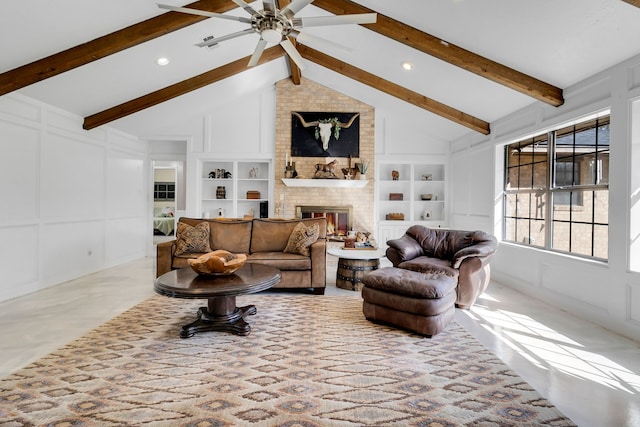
(275, 25)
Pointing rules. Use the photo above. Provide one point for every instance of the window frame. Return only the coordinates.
(513, 221)
(164, 191)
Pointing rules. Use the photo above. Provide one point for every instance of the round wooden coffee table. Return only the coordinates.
(221, 313)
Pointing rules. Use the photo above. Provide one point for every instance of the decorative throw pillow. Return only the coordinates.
(191, 239)
(301, 238)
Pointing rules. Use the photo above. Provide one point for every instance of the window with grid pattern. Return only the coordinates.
(556, 190)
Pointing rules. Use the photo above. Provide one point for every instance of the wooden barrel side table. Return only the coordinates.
(353, 264)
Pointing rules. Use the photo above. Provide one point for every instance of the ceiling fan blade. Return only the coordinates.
(204, 13)
(216, 40)
(292, 52)
(257, 53)
(251, 11)
(317, 21)
(294, 7)
(268, 6)
(319, 42)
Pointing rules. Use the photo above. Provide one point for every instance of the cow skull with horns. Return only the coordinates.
(325, 126)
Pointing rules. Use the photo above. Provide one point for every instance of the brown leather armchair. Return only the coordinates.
(455, 253)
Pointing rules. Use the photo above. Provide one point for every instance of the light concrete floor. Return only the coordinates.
(589, 373)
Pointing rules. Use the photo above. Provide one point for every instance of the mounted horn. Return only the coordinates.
(305, 124)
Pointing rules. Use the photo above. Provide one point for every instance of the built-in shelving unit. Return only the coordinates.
(234, 178)
(408, 195)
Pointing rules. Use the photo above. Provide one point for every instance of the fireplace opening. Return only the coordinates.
(339, 218)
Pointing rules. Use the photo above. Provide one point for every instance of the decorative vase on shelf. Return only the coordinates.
(221, 192)
(362, 167)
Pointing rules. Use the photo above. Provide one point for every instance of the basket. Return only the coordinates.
(395, 216)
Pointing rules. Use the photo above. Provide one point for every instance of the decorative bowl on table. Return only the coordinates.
(217, 263)
(427, 196)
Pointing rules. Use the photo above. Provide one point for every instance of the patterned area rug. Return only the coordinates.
(309, 361)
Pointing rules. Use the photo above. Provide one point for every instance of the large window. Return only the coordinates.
(556, 190)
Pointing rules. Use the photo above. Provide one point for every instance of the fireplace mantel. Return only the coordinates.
(332, 183)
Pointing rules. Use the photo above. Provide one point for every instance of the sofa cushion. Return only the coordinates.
(272, 235)
(281, 260)
(410, 283)
(425, 264)
(190, 239)
(233, 236)
(301, 238)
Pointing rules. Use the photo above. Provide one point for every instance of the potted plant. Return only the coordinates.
(363, 166)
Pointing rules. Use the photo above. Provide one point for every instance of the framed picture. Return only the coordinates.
(325, 134)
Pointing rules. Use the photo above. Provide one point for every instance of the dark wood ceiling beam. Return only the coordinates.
(106, 45)
(636, 3)
(393, 89)
(294, 70)
(450, 53)
(177, 89)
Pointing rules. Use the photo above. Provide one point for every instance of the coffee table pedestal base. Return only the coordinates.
(221, 314)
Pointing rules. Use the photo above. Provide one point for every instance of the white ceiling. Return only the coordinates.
(559, 42)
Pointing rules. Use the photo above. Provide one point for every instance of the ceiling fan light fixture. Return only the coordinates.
(271, 36)
(275, 25)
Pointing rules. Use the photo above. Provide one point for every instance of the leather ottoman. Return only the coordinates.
(419, 302)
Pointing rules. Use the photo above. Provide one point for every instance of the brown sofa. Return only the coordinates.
(463, 255)
(263, 241)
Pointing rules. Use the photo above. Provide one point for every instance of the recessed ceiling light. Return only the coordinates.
(162, 61)
(407, 66)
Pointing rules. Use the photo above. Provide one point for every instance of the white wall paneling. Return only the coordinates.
(19, 171)
(633, 297)
(71, 249)
(634, 226)
(73, 178)
(126, 192)
(19, 108)
(125, 239)
(73, 201)
(236, 127)
(19, 260)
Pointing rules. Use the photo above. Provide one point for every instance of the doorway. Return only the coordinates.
(168, 198)
(164, 202)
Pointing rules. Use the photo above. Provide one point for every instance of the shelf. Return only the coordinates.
(244, 176)
(327, 183)
(412, 185)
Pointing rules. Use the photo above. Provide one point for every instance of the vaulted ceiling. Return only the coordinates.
(474, 61)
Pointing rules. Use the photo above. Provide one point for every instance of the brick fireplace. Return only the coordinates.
(311, 96)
